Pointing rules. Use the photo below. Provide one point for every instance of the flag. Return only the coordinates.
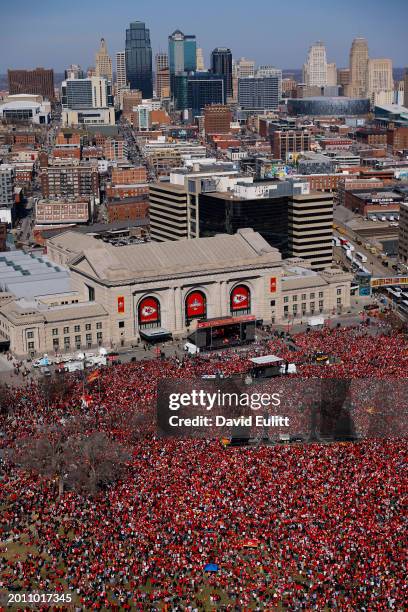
(93, 376)
(250, 543)
(86, 400)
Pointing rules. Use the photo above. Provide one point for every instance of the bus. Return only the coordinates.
(361, 257)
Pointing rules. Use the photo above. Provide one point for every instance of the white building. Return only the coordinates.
(25, 107)
(121, 79)
(315, 68)
(87, 101)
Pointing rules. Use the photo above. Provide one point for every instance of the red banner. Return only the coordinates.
(240, 298)
(226, 321)
(195, 304)
(121, 304)
(149, 310)
(273, 284)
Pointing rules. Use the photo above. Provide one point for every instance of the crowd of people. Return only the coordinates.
(302, 526)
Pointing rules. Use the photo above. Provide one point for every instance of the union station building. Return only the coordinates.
(212, 290)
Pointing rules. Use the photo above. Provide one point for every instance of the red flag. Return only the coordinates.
(93, 376)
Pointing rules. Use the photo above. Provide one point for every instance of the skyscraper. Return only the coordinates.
(221, 63)
(161, 70)
(200, 60)
(203, 89)
(74, 72)
(315, 68)
(103, 62)
(380, 82)
(182, 61)
(357, 87)
(331, 74)
(139, 58)
(161, 61)
(260, 94)
(120, 70)
(406, 88)
(244, 68)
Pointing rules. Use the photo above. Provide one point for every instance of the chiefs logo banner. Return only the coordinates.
(121, 304)
(240, 298)
(195, 304)
(148, 310)
(273, 284)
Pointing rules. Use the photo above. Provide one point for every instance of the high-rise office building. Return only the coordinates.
(343, 77)
(357, 87)
(200, 65)
(163, 83)
(260, 94)
(310, 229)
(139, 58)
(161, 61)
(267, 71)
(244, 68)
(161, 66)
(315, 68)
(74, 72)
(203, 89)
(39, 81)
(182, 61)
(87, 101)
(380, 82)
(331, 74)
(7, 179)
(221, 63)
(406, 88)
(103, 62)
(121, 80)
(86, 93)
(182, 53)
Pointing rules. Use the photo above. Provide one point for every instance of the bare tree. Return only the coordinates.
(6, 400)
(71, 457)
(96, 461)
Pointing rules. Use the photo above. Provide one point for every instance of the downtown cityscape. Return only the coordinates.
(204, 310)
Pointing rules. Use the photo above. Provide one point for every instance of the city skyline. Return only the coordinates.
(55, 39)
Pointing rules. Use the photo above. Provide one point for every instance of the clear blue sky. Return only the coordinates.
(56, 33)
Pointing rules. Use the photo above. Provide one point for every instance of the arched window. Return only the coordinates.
(240, 300)
(195, 306)
(149, 312)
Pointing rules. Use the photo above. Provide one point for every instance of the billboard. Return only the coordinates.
(240, 298)
(386, 282)
(121, 304)
(195, 305)
(149, 310)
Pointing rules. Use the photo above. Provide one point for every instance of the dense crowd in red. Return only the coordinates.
(325, 521)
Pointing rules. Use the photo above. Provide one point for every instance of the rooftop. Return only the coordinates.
(182, 257)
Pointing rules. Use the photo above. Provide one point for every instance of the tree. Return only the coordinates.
(73, 458)
(6, 400)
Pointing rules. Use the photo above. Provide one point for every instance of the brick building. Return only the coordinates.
(284, 142)
(217, 119)
(115, 148)
(371, 136)
(120, 192)
(3, 236)
(70, 180)
(59, 212)
(129, 175)
(397, 138)
(39, 82)
(131, 208)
